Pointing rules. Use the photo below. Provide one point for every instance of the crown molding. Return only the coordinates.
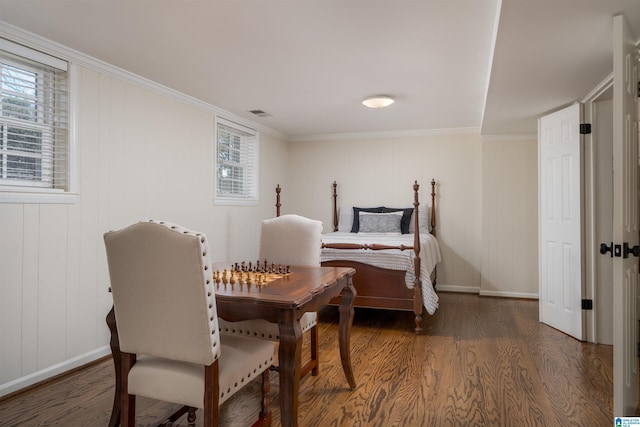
(533, 136)
(34, 41)
(384, 134)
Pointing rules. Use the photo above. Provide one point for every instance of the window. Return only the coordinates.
(34, 136)
(236, 164)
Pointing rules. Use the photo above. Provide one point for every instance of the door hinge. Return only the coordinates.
(587, 304)
(585, 128)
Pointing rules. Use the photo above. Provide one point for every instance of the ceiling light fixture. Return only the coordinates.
(378, 101)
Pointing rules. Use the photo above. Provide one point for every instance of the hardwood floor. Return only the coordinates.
(482, 362)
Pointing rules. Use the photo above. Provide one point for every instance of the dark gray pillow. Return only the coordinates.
(356, 216)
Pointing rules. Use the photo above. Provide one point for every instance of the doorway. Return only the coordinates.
(598, 159)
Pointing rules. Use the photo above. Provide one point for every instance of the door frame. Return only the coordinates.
(592, 252)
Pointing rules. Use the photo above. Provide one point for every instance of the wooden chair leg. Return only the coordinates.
(265, 412)
(127, 401)
(211, 395)
(314, 351)
(191, 417)
(312, 364)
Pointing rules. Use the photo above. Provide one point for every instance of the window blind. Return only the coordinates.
(34, 111)
(236, 162)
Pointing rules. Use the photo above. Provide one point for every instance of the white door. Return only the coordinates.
(625, 220)
(560, 220)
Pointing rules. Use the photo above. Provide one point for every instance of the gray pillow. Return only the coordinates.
(380, 222)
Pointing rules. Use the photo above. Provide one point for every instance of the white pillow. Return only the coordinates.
(423, 220)
(345, 219)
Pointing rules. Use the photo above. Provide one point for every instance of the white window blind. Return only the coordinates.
(34, 120)
(236, 163)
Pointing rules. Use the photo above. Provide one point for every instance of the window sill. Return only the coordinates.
(234, 202)
(38, 197)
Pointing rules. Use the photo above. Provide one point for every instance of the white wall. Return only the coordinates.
(381, 171)
(510, 217)
(487, 198)
(141, 155)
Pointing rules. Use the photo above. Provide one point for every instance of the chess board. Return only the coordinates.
(250, 275)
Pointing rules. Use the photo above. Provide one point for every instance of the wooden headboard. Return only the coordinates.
(416, 203)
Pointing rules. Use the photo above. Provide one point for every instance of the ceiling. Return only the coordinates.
(490, 65)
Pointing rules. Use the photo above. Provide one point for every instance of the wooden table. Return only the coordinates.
(281, 301)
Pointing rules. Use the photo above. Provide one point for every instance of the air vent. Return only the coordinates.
(260, 113)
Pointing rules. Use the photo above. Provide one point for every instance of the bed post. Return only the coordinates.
(433, 207)
(335, 207)
(278, 189)
(417, 285)
(434, 275)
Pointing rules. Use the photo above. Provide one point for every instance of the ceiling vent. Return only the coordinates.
(260, 113)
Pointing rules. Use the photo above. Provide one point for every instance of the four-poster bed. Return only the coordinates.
(394, 270)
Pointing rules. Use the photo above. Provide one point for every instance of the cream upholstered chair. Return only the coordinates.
(165, 310)
(286, 240)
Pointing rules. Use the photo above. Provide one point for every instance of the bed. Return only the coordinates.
(395, 269)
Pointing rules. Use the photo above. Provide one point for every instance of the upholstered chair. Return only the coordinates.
(165, 309)
(286, 240)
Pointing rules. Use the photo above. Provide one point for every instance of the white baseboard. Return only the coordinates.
(458, 288)
(52, 371)
(505, 294)
(485, 293)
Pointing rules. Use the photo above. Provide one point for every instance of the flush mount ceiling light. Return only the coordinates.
(378, 101)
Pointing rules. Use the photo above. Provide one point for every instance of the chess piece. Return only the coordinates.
(232, 278)
(225, 278)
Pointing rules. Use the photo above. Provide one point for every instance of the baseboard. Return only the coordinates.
(458, 288)
(50, 372)
(505, 294)
(485, 293)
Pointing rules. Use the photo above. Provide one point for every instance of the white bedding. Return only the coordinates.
(394, 259)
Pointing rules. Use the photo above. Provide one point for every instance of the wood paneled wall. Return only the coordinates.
(141, 156)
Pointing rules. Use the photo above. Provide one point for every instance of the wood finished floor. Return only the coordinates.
(482, 362)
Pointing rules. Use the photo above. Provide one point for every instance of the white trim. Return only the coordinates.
(39, 43)
(237, 200)
(34, 55)
(494, 38)
(510, 137)
(229, 201)
(506, 294)
(383, 134)
(484, 293)
(38, 197)
(31, 194)
(73, 175)
(602, 87)
(590, 221)
(458, 288)
(60, 368)
(234, 125)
